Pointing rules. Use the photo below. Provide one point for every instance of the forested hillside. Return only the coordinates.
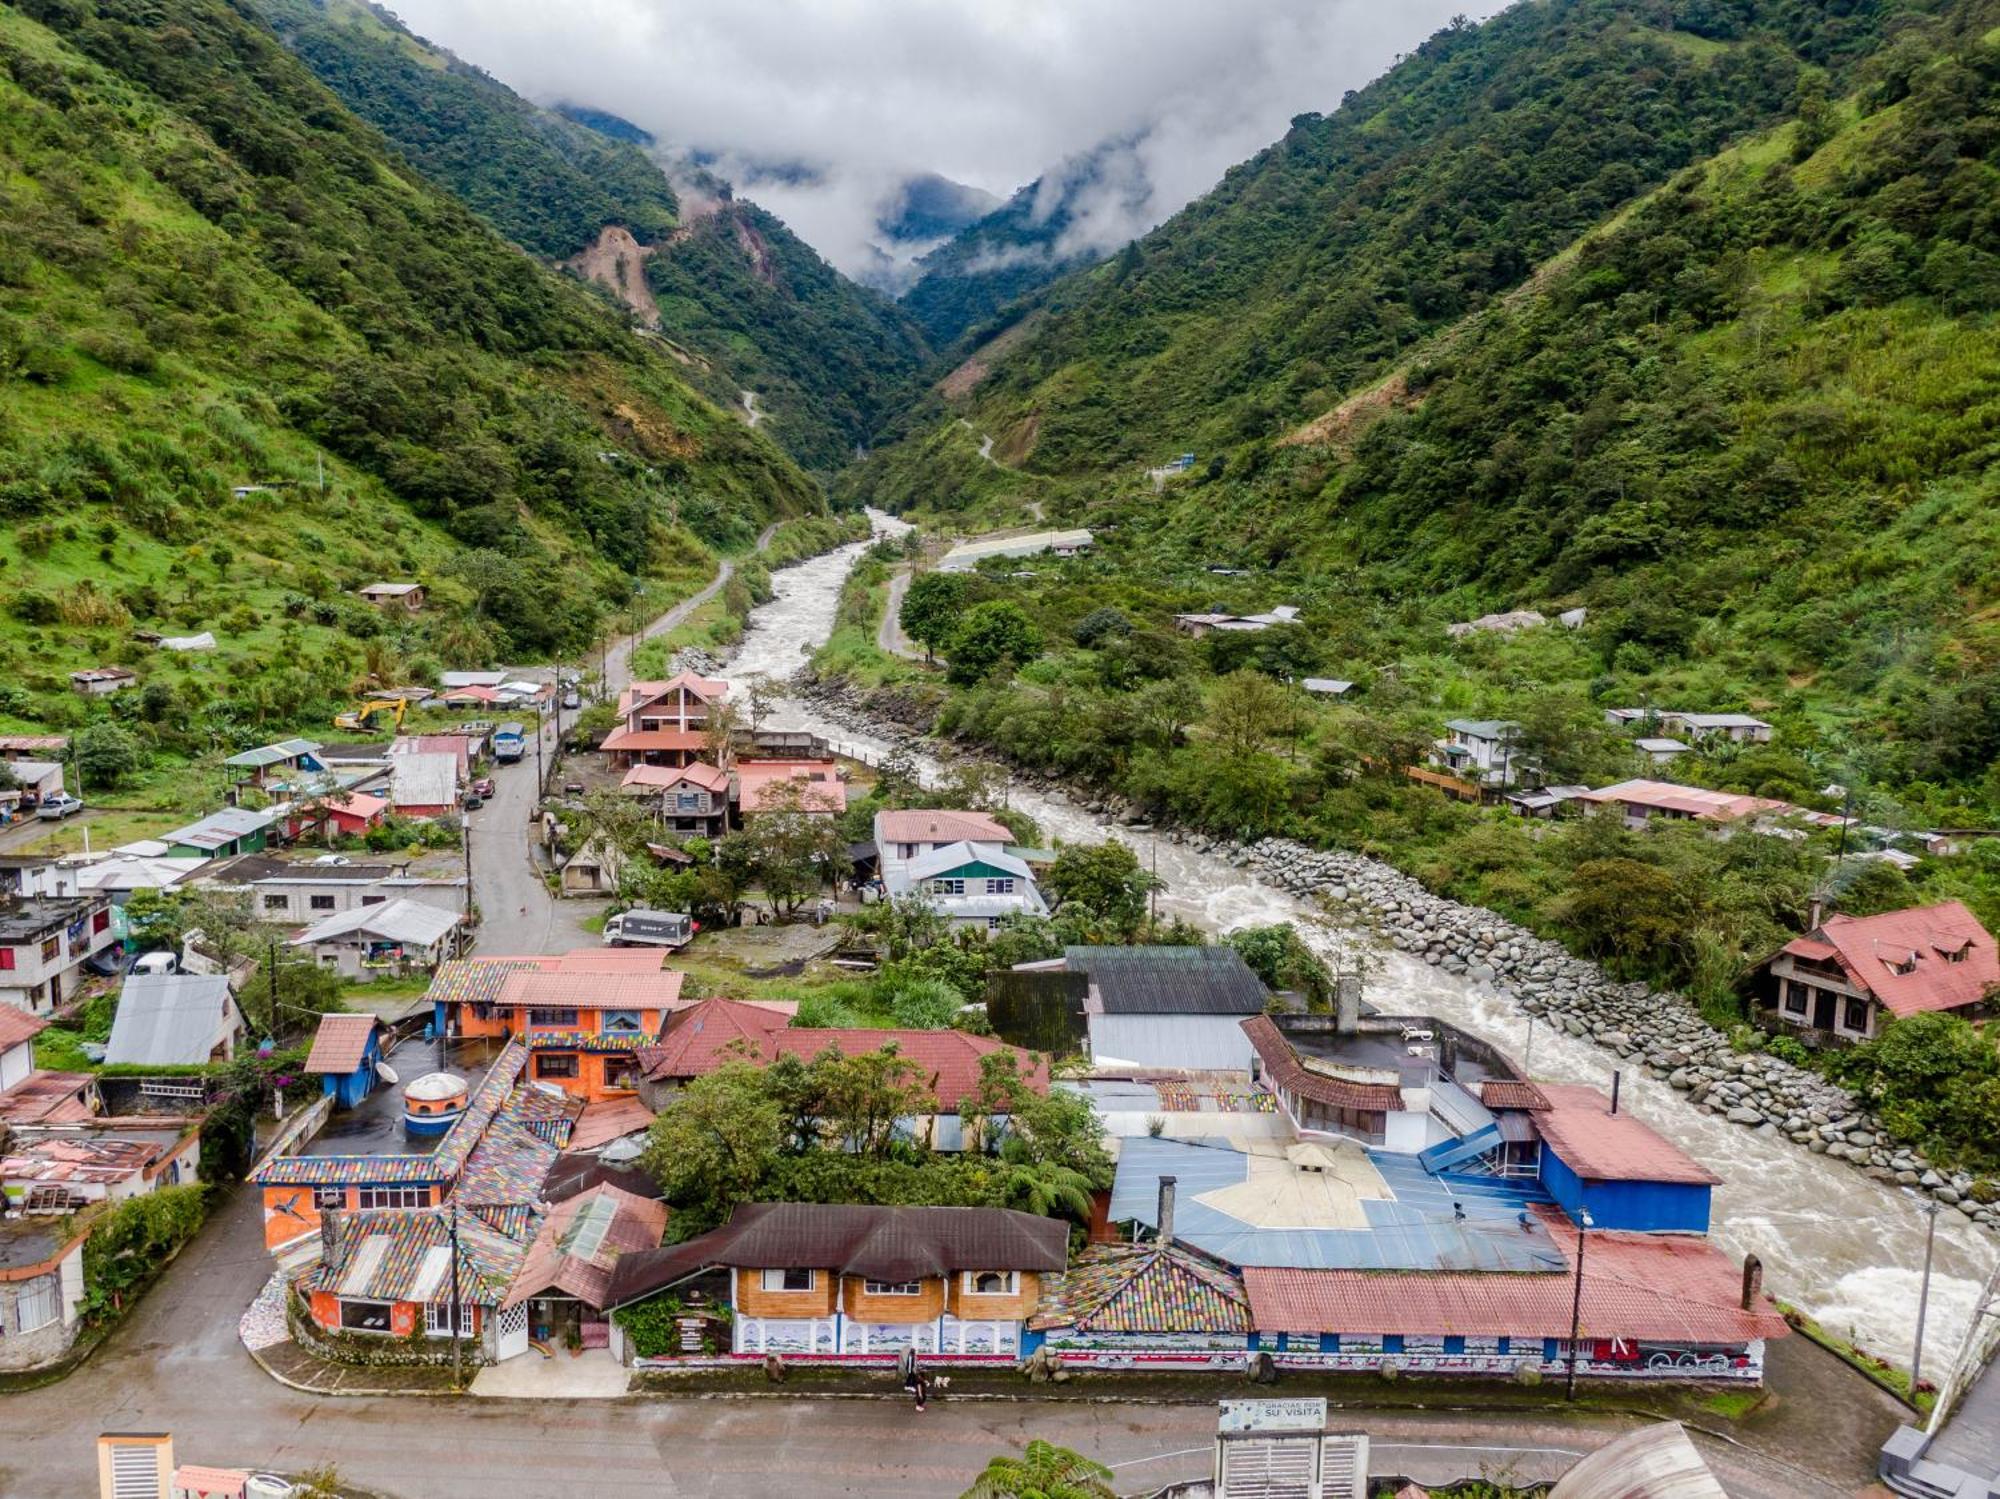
(736, 289)
(250, 362)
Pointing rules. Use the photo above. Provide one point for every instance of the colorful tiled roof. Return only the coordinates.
(596, 1041)
(1924, 958)
(1284, 1070)
(1145, 1288)
(472, 980)
(1667, 1287)
(1598, 1145)
(581, 1242)
(340, 1043)
(563, 989)
(405, 1255)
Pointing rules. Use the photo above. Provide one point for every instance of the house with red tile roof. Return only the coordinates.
(711, 1034)
(692, 800)
(1667, 1306)
(344, 1052)
(664, 723)
(766, 786)
(1843, 979)
(565, 1276)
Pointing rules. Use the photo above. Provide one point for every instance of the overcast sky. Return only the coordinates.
(987, 92)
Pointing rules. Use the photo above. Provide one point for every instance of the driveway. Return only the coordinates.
(177, 1366)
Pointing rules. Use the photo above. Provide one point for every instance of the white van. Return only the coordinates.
(155, 963)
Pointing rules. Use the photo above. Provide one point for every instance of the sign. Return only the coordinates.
(1305, 1414)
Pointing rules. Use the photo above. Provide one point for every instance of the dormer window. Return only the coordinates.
(1900, 963)
(1956, 954)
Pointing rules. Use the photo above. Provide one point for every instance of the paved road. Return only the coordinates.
(177, 1366)
(517, 912)
(889, 635)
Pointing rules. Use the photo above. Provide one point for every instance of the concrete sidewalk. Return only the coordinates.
(592, 1375)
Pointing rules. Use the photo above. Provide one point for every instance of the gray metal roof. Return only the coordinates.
(169, 1019)
(1169, 980)
(274, 754)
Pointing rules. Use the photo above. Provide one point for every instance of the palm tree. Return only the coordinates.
(1046, 1189)
(1043, 1471)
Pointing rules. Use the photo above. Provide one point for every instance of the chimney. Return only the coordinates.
(1814, 913)
(1347, 1003)
(1617, 1078)
(1753, 1281)
(1166, 1216)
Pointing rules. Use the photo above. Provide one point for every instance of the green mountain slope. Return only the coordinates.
(1424, 196)
(248, 362)
(748, 304)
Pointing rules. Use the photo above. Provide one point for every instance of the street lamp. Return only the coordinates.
(1930, 1210)
(1583, 1226)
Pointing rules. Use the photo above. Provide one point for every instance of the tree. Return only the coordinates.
(1244, 712)
(926, 1005)
(863, 1097)
(1279, 956)
(931, 609)
(718, 733)
(785, 850)
(1104, 878)
(106, 754)
(714, 1145)
(1101, 624)
(988, 636)
(1624, 909)
(1935, 1080)
(1042, 1471)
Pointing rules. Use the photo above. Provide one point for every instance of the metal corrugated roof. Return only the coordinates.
(1598, 1145)
(169, 1019)
(1169, 980)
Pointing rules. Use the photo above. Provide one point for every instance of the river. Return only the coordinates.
(1847, 1249)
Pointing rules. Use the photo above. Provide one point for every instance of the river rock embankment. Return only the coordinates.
(1659, 1031)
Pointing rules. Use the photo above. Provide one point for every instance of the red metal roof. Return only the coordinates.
(709, 1035)
(1598, 1145)
(340, 1043)
(567, 989)
(1675, 1288)
(581, 1242)
(640, 740)
(1951, 958)
(1285, 1071)
(48, 1098)
(1690, 801)
(939, 825)
(611, 1119)
(702, 774)
(17, 1026)
(1512, 1093)
(820, 786)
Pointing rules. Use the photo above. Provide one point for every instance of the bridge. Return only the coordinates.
(1957, 1453)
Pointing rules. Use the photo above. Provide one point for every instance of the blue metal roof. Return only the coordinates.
(1418, 1230)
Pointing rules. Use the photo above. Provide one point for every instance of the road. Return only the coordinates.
(177, 1366)
(889, 636)
(517, 913)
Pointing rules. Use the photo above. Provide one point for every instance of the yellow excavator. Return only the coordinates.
(362, 719)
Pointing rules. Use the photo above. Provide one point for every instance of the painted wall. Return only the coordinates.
(1212, 1042)
(752, 1300)
(1647, 1207)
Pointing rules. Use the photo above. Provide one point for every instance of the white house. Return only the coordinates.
(1480, 750)
(382, 941)
(970, 884)
(909, 834)
(43, 942)
(1738, 728)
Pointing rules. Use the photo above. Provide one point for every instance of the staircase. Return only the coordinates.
(1447, 1154)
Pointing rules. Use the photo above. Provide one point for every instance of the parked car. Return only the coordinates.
(473, 801)
(56, 808)
(483, 788)
(572, 699)
(157, 963)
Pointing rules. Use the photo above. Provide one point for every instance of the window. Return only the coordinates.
(321, 902)
(789, 1280)
(618, 1072)
(1795, 997)
(906, 850)
(620, 1020)
(893, 1287)
(373, 900)
(365, 1316)
(51, 949)
(6, 959)
(1855, 1015)
(438, 1319)
(1392, 1342)
(555, 1064)
(566, 1019)
(992, 1282)
(1000, 887)
(947, 887)
(1454, 1345)
(329, 1197)
(392, 1197)
(102, 922)
(38, 1303)
(277, 903)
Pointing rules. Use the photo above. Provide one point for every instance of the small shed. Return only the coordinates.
(408, 597)
(97, 681)
(344, 1053)
(593, 869)
(1326, 686)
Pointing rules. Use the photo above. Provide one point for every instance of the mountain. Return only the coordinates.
(743, 303)
(252, 361)
(927, 208)
(1023, 244)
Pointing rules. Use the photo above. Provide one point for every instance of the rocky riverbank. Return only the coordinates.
(1646, 1028)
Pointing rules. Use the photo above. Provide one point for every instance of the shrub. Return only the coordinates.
(926, 1005)
(826, 1012)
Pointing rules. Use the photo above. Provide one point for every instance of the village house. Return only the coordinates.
(1659, 750)
(425, 785)
(30, 1095)
(861, 1283)
(902, 837)
(280, 762)
(810, 786)
(969, 554)
(287, 891)
(41, 1288)
(565, 1276)
(1737, 728)
(174, 1020)
(585, 1015)
(593, 869)
(1481, 751)
(62, 1168)
(969, 885)
(1640, 801)
(44, 747)
(1326, 686)
(119, 872)
(346, 814)
(344, 1052)
(1160, 1006)
(714, 1032)
(664, 723)
(1198, 625)
(44, 942)
(1838, 983)
(408, 597)
(233, 830)
(100, 681)
(462, 748)
(1544, 802)
(35, 781)
(692, 800)
(390, 939)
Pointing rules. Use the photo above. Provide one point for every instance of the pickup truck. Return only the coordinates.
(56, 808)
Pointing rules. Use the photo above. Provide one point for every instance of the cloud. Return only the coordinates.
(865, 94)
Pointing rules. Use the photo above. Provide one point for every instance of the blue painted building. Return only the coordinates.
(1616, 1168)
(344, 1052)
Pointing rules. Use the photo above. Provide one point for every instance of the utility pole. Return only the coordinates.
(1923, 1295)
(468, 868)
(541, 775)
(457, 1307)
(1583, 1225)
(271, 965)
